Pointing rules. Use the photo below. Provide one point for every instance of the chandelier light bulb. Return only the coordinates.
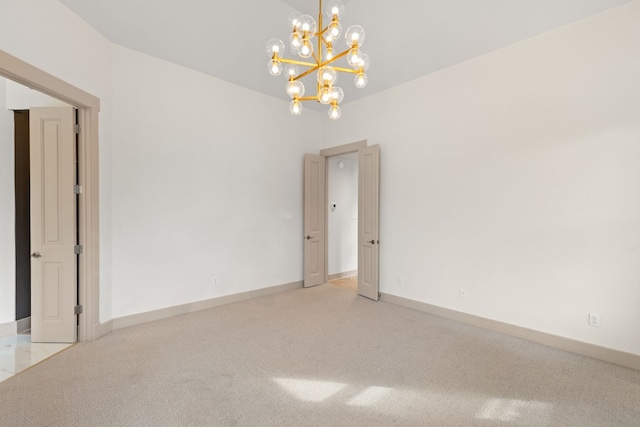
(361, 80)
(354, 57)
(337, 94)
(275, 67)
(306, 50)
(308, 25)
(294, 20)
(291, 70)
(334, 30)
(294, 40)
(295, 89)
(335, 8)
(364, 62)
(327, 76)
(295, 107)
(328, 55)
(354, 36)
(275, 47)
(335, 112)
(325, 95)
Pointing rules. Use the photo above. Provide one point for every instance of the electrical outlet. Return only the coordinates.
(214, 281)
(400, 281)
(594, 319)
(463, 293)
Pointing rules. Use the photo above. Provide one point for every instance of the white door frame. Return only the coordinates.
(331, 152)
(88, 108)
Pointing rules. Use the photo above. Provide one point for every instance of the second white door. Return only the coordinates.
(53, 225)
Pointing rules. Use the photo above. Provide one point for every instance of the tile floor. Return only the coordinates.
(17, 353)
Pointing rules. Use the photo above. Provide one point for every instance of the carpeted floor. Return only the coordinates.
(318, 357)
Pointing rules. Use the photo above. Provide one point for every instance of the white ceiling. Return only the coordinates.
(405, 39)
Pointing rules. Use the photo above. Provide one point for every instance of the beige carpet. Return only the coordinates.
(318, 357)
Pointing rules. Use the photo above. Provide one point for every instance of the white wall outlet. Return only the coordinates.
(463, 293)
(594, 319)
(214, 281)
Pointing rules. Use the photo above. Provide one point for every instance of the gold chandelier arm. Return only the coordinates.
(293, 61)
(316, 57)
(308, 98)
(346, 70)
(306, 73)
(320, 33)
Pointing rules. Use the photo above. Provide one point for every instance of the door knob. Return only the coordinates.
(36, 255)
(373, 242)
(308, 237)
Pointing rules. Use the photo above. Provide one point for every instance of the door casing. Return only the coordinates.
(89, 327)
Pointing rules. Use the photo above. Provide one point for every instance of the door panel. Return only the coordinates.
(368, 221)
(314, 220)
(53, 267)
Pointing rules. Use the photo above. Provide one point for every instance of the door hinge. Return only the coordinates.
(76, 129)
(77, 249)
(77, 189)
(77, 309)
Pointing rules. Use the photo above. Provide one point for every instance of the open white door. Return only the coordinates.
(314, 220)
(53, 226)
(368, 220)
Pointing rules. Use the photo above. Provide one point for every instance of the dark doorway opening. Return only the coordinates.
(22, 214)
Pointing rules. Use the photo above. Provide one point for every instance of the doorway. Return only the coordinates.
(342, 220)
(316, 205)
(46, 218)
(88, 106)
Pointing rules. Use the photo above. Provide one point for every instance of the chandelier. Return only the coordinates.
(305, 34)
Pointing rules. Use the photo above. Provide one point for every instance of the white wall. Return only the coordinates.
(343, 221)
(515, 175)
(49, 36)
(205, 173)
(7, 214)
(201, 189)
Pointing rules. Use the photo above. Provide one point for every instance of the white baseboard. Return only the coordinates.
(102, 329)
(164, 313)
(606, 354)
(23, 325)
(344, 274)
